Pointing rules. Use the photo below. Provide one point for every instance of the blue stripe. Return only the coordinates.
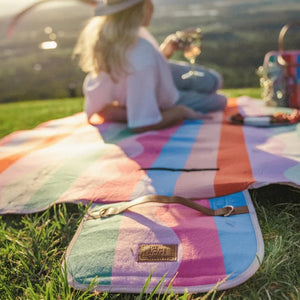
(237, 236)
(174, 155)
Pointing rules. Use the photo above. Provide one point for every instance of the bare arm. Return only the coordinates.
(113, 113)
(169, 45)
(171, 117)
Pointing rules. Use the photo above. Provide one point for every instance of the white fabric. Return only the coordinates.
(148, 89)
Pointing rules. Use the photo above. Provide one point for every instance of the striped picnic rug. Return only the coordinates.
(212, 161)
(68, 160)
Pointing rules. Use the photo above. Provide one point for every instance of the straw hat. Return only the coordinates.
(109, 7)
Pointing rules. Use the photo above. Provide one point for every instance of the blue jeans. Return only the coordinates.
(198, 93)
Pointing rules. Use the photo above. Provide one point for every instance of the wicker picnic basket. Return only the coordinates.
(280, 74)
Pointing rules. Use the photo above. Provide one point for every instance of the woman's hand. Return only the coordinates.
(169, 45)
(113, 112)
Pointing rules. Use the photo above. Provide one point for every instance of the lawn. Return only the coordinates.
(32, 246)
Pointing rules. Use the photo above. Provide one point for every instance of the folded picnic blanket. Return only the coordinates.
(177, 244)
(68, 160)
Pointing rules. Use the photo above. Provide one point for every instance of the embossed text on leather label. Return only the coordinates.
(157, 253)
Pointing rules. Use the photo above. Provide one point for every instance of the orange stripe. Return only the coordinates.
(235, 172)
(11, 159)
(7, 161)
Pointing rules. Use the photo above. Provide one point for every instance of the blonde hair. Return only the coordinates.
(104, 42)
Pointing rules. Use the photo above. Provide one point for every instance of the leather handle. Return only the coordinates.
(117, 208)
(282, 34)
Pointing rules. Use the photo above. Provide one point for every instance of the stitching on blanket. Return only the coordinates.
(179, 170)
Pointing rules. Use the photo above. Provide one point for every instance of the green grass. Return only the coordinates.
(29, 114)
(251, 92)
(32, 246)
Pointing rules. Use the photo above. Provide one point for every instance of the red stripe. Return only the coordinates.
(235, 172)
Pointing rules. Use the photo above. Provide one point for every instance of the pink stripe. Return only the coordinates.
(111, 178)
(249, 107)
(121, 178)
(141, 226)
(203, 154)
(151, 143)
(202, 261)
(10, 137)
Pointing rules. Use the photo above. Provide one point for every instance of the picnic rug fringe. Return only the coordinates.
(211, 161)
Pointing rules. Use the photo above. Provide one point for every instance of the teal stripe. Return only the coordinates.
(123, 134)
(92, 255)
(63, 178)
(114, 132)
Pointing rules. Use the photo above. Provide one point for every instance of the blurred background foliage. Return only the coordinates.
(237, 34)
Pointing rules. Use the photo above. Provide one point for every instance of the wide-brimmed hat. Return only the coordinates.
(109, 7)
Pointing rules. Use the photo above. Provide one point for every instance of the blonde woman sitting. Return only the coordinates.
(129, 77)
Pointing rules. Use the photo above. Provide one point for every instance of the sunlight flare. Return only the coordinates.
(48, 45)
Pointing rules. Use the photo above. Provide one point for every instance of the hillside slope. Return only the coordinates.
(237, 34)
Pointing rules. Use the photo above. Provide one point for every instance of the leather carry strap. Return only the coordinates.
(120, 207)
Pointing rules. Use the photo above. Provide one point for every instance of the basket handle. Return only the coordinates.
(282, 34)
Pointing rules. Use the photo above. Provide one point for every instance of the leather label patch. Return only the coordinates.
(157, 253)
